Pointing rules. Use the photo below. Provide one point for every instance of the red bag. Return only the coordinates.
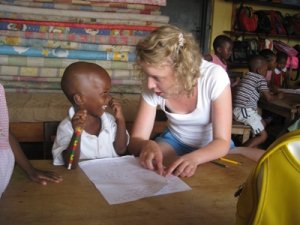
(246, 19)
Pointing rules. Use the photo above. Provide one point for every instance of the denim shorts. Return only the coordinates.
(232, 145)
(178, 146)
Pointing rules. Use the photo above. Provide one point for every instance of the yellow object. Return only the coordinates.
(230, 161)
(271, 194)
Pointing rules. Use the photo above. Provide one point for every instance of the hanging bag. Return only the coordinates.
(293, 56)
(277, 22)
(296, 24)
(263, 22)
(246, 20)
(288, 24)
(283, 47)
(240, 51)
(271, 193)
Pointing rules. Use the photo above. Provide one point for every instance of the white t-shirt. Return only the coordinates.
(195, 129)
(92, 146)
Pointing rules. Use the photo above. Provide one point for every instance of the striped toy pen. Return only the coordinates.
(78, 132)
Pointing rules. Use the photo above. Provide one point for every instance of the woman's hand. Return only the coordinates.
(151, 157)
(184, 166)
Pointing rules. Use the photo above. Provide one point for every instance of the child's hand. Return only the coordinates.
(79, 119)
(116, 108)
(42, 177)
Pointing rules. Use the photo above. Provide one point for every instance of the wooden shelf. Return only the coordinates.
(266, 3)
(238, 33)
(243, 33)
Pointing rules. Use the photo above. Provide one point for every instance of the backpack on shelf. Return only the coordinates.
(277, 22)
(288, 24)
(283, 47)
(239, 51)
(293, 56)
(245, 20)
(263, 22)
(296, 24)
(242, 50)
(271, 193)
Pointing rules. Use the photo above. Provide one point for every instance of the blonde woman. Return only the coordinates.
(195, 96)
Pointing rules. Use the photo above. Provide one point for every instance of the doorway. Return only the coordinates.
(193, 16)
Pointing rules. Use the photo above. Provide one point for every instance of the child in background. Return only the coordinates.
(222, 52)
(250, 89)
(279, 76)
(270, 56)
(10, 151)
(96, 133)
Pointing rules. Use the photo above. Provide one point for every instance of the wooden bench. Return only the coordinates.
(44, 132)
(27, 131)
(239, 128)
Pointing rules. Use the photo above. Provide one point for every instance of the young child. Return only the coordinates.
(270, 56)
(10, 151)
(89, 132)
(250, 89)
(222, 51)
(279, 75)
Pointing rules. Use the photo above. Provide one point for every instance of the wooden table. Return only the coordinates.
(76, 201)
(286, 107)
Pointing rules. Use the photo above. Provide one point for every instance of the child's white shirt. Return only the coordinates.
(92, 146)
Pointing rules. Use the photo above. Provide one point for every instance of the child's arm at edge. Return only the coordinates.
(36, 175)
(269, 96)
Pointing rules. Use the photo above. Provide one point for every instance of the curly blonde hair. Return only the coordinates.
(176, 47)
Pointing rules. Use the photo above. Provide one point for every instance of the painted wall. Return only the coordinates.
(221, 19)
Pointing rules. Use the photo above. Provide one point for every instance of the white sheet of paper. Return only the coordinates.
(122, 179)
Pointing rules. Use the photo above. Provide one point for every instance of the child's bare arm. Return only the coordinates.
(78, 123)
(269, 96)
(120, 143)
(36, 175)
